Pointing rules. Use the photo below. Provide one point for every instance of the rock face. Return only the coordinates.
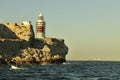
(18, 45)
(23, 31)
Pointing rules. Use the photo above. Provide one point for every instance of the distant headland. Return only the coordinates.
(19, 44)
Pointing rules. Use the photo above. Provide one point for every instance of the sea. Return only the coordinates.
(71, 70)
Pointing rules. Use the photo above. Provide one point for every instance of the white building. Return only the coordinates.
(40, 27)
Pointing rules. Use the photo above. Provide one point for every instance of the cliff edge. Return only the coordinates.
(18, 45)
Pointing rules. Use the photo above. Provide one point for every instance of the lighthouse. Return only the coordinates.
(40, 27)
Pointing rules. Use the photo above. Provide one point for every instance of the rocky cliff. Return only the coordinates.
(18, 45)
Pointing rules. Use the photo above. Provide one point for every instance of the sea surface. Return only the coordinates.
(72, 70)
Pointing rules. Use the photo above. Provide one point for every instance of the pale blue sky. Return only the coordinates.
(91, 28)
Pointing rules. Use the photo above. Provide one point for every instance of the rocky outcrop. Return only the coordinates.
(48, 50)
(23, 31)
(18, 45)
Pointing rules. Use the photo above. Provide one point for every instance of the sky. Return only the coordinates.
(90, 28)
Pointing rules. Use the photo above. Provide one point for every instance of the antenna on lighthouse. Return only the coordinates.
(40, 14)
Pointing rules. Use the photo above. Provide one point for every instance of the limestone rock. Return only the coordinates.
(11, 47)
(22, 31)
(53, 51)
(18, 45)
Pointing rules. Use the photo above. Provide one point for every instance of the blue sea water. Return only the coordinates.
(75, 70)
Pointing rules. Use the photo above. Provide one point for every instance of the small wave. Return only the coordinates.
(95, 78)
(104, 79)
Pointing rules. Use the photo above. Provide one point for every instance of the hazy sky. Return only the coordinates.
(91, 28)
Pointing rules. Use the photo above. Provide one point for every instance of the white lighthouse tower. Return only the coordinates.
(40, 27)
